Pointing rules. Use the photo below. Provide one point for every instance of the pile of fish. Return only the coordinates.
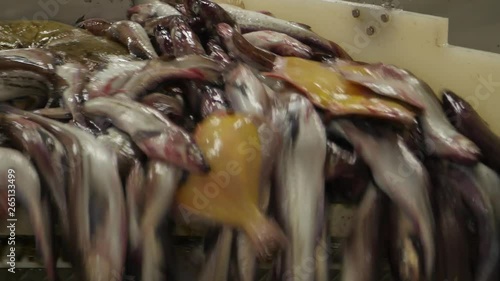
(239, 123)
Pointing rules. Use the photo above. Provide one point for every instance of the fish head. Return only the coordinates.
(225, 31)
(177, 148)
(456, 108)
(246, 92)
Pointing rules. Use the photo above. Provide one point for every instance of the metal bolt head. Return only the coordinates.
(384, 17)
(356, 13)
(370, 30)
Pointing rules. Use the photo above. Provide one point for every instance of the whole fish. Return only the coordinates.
(112, 77)
(96, 26)
(362, 248)
(239, 48)
(19, 182)
(30, 88)
(383, 79)
(75, 76)
(441, 137)
(469, 123)
(188, 67)
(463, 181)
(248, 95)
(133, 35)
(155, 135)
(279, 43)
(301, 162)
(142, 12)
(398, 173)
(127, 152)
(250, 21)
(49, 157)
(161, 183)
(95, 201)
(184, 40)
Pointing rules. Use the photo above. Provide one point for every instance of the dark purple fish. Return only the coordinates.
(142, 12)
(210, 13)
(239, 48)
(96, 26)
(155, 135)
(279, 43)
(463, 181)
(452, 234)
(398, 173)
(362, 249)
(20, 185)
(469, 123)
(164, 41)
(133, 35)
